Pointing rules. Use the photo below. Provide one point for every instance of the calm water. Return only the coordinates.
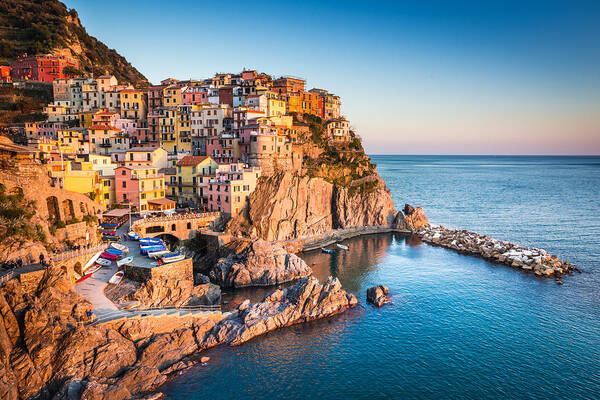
(458, 327)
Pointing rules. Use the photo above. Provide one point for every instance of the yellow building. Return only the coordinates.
(190, 170)
(276, 106)
(107, 190)
(172, 96)
(80, 177)
(175, 127)
(133, 104)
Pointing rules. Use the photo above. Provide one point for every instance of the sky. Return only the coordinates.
(415, 77)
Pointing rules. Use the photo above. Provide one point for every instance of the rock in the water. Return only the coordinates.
(260, 264)
(377, 295)
(204, 359)
(415, 217)
(304, 301)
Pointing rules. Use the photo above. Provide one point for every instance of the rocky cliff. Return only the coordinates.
(260, 264)
(291, 205)
(50, 349)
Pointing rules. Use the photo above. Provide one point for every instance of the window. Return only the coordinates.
(123, 172)
(173, 227)
(189, 225)
(124, 183)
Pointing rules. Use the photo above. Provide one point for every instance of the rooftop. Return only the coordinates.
(188, 161)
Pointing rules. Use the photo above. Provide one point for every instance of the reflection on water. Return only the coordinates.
(350, 266)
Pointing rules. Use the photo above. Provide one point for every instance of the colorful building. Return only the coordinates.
(230, 189)
(133, 104)
(190, 171)
(43, 68)
(143, 188)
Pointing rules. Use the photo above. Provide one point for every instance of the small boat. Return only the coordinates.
(145, 249)
(114, 251)
(151, 240)
(103, 261)
(341, 246)
(88, 272)
(124, 261)
(108, 226)
(110, 238)
(109, 256)
(172, 258)
(157, 254)
(120, 247)
(108, 232)
(116, 278)
(76, 276)
(133, 235)
(326, 251)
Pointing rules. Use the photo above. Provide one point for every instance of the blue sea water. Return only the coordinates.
(458, 327)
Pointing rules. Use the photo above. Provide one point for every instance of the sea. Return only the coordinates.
(458, 327)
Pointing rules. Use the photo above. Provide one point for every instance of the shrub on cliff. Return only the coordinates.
(15, 217)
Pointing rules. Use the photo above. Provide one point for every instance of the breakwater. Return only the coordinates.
(538, 261)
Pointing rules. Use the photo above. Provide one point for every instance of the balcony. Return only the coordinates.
(104, 144)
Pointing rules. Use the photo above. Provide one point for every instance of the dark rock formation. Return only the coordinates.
(260, 264)
(377, 295)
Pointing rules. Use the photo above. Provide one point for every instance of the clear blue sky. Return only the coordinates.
(415, 77)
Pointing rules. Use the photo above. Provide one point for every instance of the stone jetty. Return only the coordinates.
(535, 260)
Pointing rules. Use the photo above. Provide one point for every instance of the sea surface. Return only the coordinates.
(458, 326)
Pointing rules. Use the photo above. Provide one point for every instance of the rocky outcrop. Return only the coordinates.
(289, 205)
(50, 349)
(415, 217)
(535, 260)
(377, 295)
(260, 264)
(164, 293)
(304, 301)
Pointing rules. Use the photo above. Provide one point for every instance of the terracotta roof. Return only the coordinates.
(161, 201)
(130, 91)
(189, 161)
(103, 128)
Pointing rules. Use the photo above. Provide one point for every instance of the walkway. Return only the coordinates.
(6, 275)
(93, 290)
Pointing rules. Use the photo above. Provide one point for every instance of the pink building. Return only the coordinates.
(105, 117)
(231, 188)
(143, 137)
(128, 126)
(194, 95)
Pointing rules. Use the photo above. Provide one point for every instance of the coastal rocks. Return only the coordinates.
(166, 293)
(534, 260)
(260, 264)
(304, 301)
(415, 217)
(288, 206)
(377, 295)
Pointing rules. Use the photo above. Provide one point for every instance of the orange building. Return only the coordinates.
(312, 103)
(4, 73)
(288, 84)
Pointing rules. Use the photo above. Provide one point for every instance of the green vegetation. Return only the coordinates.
(15, 217)
(73, 220)
(19, 105)
(90, 219)
(34, 27)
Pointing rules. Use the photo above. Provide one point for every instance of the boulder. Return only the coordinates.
(260, 264)
(377, 295)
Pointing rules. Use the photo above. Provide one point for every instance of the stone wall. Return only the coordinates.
(182, 226)
(181, 270)
(77, 232)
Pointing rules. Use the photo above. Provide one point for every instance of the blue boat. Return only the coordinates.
(158, 247)
(133, 236)
(326, 251)
(109, 225)
(115, 251)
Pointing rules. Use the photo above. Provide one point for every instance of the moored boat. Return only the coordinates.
(114, 251)
(341, 246)
(109, 256)
(145, 249)
(326, 251)
(103, 261)
(172, 258)
(133, 235)
(116, 278)
(88, 273)
(157, 254)
(110, 238)
(124, 261)
(151, 240)
(120, 247)
(108, 232)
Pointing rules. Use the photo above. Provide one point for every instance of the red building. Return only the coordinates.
(43, 68)
(4, 73)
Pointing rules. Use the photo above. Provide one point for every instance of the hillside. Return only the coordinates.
(47, 26)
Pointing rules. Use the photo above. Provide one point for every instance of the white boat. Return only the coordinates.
(103, 261)
(116, 278)
(341, 246)
(173, 258)
(120, 247)
(124, 261)
(133, 236)
(157, 254)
